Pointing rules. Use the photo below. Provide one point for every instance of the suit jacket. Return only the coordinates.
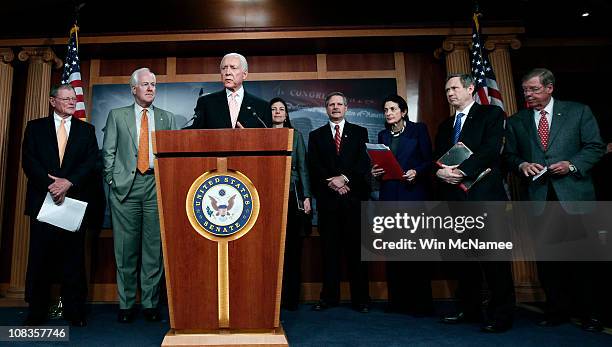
(300, 177)
(413, 152)
(120, 148)
(483, 133)
(574, 136)
(353, 162)
(212, 112)
(40, 157)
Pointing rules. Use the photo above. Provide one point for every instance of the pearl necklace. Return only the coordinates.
(398, 132)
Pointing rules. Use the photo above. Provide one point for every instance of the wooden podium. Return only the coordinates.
(222, 198)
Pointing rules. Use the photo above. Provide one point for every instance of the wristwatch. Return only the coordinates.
(572, 168)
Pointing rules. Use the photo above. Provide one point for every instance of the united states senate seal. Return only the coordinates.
(222, 206)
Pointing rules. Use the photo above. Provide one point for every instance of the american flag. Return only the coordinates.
(487, 91)
(72, 71)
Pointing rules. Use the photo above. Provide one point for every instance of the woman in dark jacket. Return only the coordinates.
(408, 283)
(299, 207)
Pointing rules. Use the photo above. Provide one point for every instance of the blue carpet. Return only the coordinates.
(338, 326)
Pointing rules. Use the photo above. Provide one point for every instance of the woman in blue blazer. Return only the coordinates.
(408, 283)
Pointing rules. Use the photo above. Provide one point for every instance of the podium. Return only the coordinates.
(222, 197)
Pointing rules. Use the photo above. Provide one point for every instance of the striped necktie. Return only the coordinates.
(457, 127)
(337, 139)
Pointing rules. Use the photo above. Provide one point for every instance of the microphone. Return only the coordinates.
(195, 115)
(249, 108)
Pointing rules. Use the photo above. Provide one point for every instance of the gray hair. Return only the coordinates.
(546, 76)
(56, 88)
(330, 95)
(243, 62)
(465, 79)
(134, 77)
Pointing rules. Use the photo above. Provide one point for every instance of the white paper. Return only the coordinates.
(376, 146)
(543, 171)
(69, 215)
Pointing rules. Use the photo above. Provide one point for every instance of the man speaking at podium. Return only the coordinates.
(232, 107)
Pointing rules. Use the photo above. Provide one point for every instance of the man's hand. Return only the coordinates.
(609, 147)
(530, 169)
(377, 171)
(59, 188)
(338, 184)
(307, 206)
(559, 168)
(450, 174)
(410, 175)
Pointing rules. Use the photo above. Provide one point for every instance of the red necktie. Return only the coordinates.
(337, 139)
(543, 129)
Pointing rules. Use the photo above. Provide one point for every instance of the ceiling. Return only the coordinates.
(541, 18)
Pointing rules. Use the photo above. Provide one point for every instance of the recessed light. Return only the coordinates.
(585, 14)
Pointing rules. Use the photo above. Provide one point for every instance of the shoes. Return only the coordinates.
(552, 322)
(593, 325)
(151, 314)
(454, 318)
(495, 328)
(320, 306)
(125, 316)
(363, 308)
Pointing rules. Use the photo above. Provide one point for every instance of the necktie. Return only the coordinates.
(543, 129)
(143, 143)
(457, 127)
(337, 139)
(62, 139)
(234, 109)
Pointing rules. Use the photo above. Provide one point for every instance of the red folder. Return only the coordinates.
(382, 156)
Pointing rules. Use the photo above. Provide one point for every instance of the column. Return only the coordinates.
(525, 273)
(499, 56)
(6, 89)
(456, 50)
(457, 54)
(40, 60)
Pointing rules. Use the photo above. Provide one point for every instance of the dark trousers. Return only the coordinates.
(571, 287)
(409, 287)
(485, 290)
(50, 248)
(340, 233)
(292, 270)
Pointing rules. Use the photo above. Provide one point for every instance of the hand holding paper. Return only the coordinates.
(69, 215)
(383, 158)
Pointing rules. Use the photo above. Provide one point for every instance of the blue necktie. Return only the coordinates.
(457, 127)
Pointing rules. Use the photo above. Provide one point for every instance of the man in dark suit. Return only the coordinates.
(564, 138)
(58, 156)
(232, 107)
(339, 168)
(481, 129)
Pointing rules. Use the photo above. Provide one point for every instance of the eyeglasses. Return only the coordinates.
(533, 90)
(67, 99)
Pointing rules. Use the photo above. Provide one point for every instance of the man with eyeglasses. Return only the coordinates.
(58, 156)
(128, 169)
(562, 138)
